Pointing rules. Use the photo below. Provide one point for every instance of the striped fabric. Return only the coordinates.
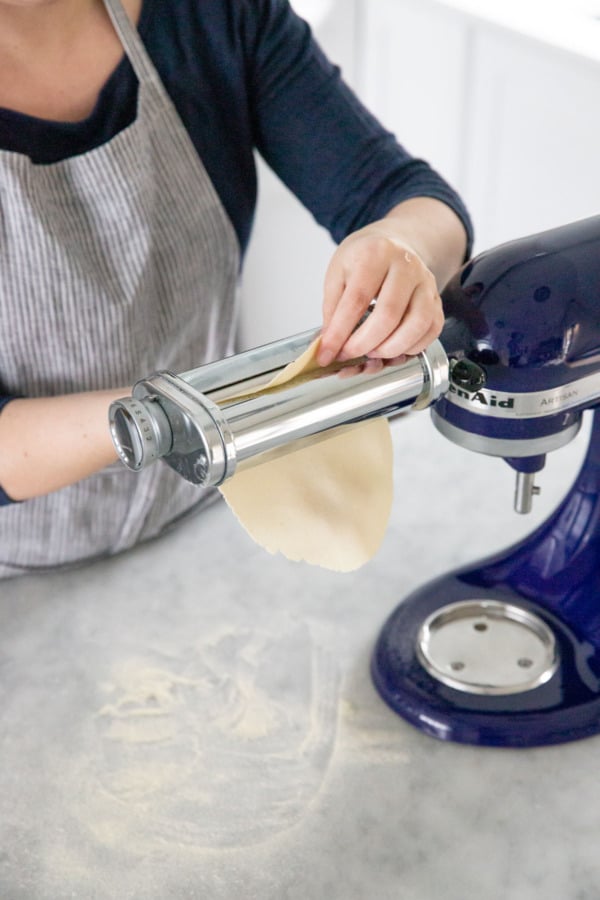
(113, 264)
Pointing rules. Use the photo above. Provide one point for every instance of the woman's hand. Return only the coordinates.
(401, 261)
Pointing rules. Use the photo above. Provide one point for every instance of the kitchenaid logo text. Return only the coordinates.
(479, 397)
(528, 404)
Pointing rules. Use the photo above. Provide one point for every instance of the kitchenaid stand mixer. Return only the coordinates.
(504, 652)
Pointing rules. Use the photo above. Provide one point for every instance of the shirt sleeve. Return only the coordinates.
(317, 135)
(5, 500)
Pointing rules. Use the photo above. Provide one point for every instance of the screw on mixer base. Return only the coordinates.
(487, 647)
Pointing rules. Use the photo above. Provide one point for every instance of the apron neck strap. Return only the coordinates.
(132, 44)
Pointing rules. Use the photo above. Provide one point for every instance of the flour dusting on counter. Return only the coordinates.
(187, 747)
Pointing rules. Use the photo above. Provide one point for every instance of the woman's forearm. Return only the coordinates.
(48, 443)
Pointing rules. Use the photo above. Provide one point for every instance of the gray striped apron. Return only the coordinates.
(113, 264)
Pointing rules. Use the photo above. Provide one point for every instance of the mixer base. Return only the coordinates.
(507, 652)
(564, 707)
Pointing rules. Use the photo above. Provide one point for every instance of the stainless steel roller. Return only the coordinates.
(210, 421)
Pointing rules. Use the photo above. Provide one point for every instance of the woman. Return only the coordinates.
(127, 189)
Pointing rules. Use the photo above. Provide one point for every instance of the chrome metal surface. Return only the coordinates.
(532, 405)
(436, 367)
(211, 433)
(140, 431)
(248, 371)
(297, 410)
(504, 447)
(166, 418)
(487, 647)
(525, 491)
(201, 434)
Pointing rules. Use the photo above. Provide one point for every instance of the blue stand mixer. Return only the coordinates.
(505, 652)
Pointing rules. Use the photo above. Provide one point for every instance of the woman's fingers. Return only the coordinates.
(401, 322)
(348, 296)
(407, 314)
(421, 323)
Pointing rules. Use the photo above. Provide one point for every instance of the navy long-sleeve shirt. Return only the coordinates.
(246, 75)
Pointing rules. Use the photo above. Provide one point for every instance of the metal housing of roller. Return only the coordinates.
(210, 421)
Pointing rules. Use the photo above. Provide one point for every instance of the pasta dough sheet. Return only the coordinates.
(327, 503)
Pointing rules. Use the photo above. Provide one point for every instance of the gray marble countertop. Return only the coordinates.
(196, 719)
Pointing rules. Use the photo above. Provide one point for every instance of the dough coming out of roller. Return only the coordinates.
(326, 503)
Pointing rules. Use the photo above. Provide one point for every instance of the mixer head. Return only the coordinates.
(523, 337)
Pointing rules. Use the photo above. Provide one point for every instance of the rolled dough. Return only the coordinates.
(327, 503)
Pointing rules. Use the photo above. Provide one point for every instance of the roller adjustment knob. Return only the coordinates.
(140, 431)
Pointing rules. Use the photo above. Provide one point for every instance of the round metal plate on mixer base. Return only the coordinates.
(487, 647)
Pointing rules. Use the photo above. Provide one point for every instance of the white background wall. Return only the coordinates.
(502, 98)
(289, 251)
